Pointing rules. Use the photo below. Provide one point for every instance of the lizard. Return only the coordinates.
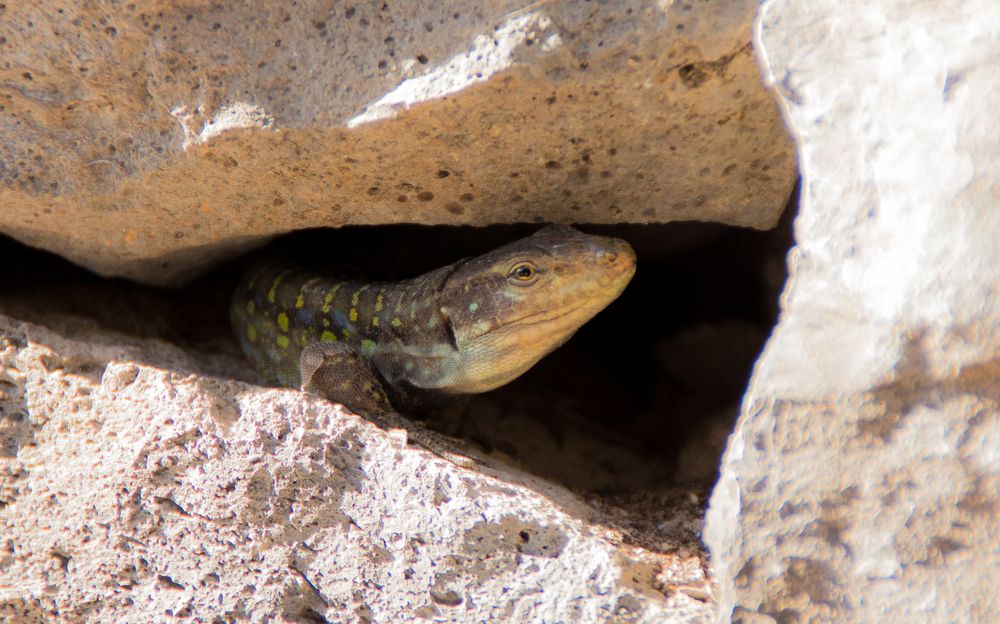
(465, 328)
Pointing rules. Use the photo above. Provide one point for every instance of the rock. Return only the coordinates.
(151, 140)
(137, 486)
(861, 483)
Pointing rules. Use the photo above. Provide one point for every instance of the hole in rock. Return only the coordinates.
(640, 400)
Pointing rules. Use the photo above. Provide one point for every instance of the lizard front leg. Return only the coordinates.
(337, 372)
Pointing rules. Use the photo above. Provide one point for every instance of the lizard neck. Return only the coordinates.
(415, 346)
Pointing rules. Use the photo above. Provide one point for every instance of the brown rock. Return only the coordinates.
(152, 139)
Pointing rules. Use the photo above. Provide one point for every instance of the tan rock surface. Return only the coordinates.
(149, 139)
(862, 482)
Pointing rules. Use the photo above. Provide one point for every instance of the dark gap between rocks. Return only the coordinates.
(631, 411)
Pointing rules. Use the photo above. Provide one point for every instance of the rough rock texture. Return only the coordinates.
(862, 483)
(148, 139)
(135, 486)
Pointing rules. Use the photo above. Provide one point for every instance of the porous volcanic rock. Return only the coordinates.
(862, 482)
(150, 139)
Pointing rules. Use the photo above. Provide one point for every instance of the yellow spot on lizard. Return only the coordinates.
(283, 321)
(396, 322)
(354, 306)
(282, 341)
(328, 336)
(300, 301)
(374, 321)
(271, 294)
(251, 333)
(378, 302)
(251, 307)
(368, 346)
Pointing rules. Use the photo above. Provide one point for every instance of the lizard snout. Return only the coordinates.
(615, 256)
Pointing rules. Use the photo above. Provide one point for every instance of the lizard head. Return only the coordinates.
(509, 308)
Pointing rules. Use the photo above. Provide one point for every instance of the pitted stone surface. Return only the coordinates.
(150, 139)
(861, 483)
(135, 488)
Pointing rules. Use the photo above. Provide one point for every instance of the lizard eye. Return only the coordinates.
(523, 272)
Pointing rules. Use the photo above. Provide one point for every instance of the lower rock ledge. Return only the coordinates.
(134, 492)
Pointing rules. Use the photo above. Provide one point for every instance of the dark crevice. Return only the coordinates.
(640, 400)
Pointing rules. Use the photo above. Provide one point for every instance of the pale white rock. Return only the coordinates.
(137, 488)
(488, 54)
(857, 486)
(236, 116)
(233, 117)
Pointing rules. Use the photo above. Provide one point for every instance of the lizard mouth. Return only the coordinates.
(543, 316)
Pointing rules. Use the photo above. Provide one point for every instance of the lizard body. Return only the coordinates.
(467, 327)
